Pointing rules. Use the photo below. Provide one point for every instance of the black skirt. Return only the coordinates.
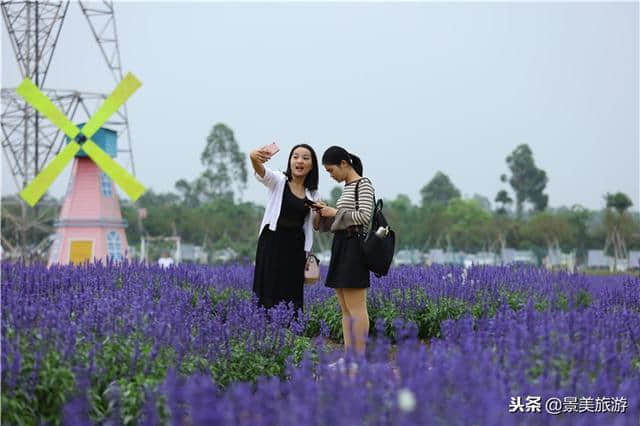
(279, 271)
(347, 268)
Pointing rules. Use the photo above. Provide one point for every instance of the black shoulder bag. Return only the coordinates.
(379, 241)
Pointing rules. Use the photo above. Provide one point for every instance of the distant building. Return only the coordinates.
(442, 257)
(192, 253)
(225, 255)
(634, 259)
(558, 259)
(408, 257)
(485, 258)
(435, 256)
(597, 259)
(510, 256)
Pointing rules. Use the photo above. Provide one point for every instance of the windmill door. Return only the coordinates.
(81, 251)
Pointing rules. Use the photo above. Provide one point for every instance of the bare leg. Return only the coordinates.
(346, 319)
(356, 303)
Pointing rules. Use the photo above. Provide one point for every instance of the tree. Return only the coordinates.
(150, 198)
(439, 190)
(482, 201)
(619, 201)
(226, 166)
(191, 192)
(431, 226)
(619, 225)
(404, 218)
(499, 229)
(549, 229)
(503, 198)
(225, 170)
(528, 182)
(402, 203)
(467, 224)
(578, 218)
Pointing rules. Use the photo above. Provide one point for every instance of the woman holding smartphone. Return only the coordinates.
(348, 273)
(286, 231)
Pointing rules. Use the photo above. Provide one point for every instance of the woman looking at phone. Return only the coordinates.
(348, 273)
(286, 231)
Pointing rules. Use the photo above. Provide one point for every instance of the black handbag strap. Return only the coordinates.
(375, 204)
(356, 194)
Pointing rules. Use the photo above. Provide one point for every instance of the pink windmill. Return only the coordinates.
(90, 224)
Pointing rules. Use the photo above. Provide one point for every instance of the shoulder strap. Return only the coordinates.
(375, 203)
(356, 193)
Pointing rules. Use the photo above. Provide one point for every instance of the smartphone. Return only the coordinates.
(272, 148)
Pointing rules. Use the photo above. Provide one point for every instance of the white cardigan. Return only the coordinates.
(275, 182)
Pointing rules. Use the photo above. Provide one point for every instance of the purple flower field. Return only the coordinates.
(134, 344)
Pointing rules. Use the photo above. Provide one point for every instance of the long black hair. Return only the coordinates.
(311, 181)
(334, 155)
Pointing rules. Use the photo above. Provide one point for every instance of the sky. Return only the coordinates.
(412, 88)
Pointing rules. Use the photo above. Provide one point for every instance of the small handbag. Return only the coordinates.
(311, 269)
(379, 241)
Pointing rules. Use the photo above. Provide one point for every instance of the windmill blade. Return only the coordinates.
(128, 183)
(44, 106)
(114, 101)
(30, 92)
(38, 186)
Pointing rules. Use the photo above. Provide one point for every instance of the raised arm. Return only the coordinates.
(258, 158)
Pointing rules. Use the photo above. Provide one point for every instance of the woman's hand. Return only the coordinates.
(258, 158)
(260, 155)
(326, 211)
(317, 205)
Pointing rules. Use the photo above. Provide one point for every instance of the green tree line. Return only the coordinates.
(209, 211)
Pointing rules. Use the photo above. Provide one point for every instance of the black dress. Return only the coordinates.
(347, 268)
(280, 256)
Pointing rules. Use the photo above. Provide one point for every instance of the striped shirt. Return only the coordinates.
(347, 202)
